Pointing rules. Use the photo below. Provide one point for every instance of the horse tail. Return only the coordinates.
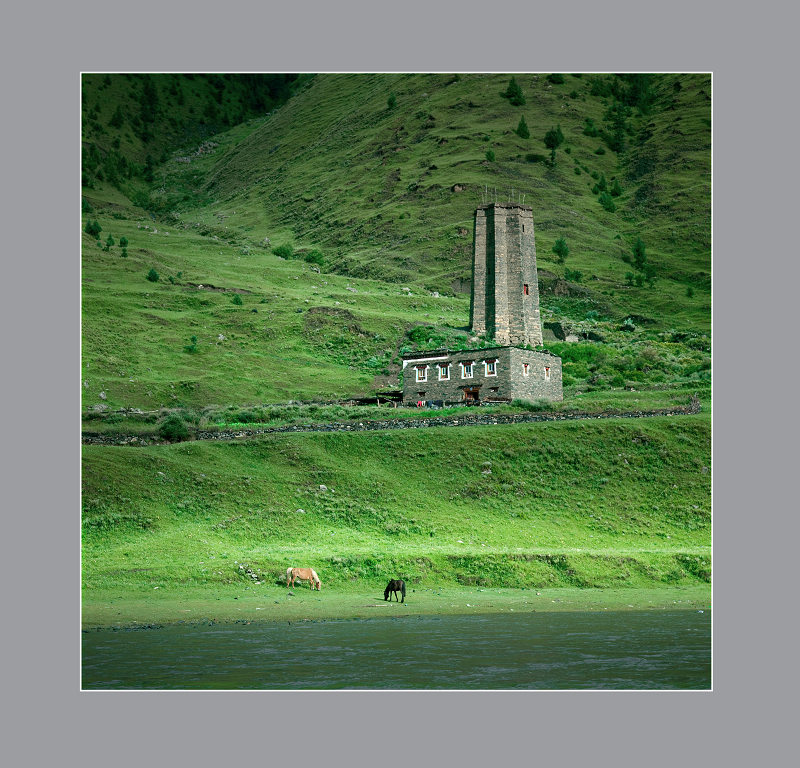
(403, 588)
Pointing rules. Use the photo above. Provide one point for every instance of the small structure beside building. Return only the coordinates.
(505, 309)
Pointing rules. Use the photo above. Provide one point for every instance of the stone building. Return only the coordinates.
(505, 309)
(496, 374)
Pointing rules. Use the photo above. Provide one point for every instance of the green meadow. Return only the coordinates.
(277, 244)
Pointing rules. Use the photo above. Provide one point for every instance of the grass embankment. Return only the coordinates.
(576, 506)
(371, 192)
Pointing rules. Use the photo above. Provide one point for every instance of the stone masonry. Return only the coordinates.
(505, 309)
(497, 374)
(505, 289)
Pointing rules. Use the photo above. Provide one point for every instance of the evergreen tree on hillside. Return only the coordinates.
(514, 93)
(561, 249)
(522, 129)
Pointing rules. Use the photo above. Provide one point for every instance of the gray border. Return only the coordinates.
(47, 49)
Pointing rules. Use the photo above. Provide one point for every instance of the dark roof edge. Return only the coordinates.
(480, 350)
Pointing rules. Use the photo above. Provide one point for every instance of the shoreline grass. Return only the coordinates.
(115, 608)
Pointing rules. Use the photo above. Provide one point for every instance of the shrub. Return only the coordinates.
(514, 93)
(690, 292)
(152, 275)
(577, 171)
(553, 138)
(315, 257)
(629, 276)
(639, 255)
(173, 428)
(627, 325)
(533, 157)
(192, 347)
(616, 189)
(124, 253)
(555, 78)
(573, 94)
(391, 102)
(93, 229)
(490, 155)
(573, 275)
(600, 151)
(522, 129)
(109, 243)
(539, 405)
(589, 128)
(561, 249)
(285, 251)
(607, 202)
(237, 300)
(86, 207)
(123, 242)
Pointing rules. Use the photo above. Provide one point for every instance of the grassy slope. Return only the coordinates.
(632, 497)
(321, 172)
(560, 505)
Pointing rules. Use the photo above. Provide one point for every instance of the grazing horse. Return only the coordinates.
(308, 574)
(395, 585)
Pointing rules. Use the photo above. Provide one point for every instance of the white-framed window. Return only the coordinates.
(466, 370)
(422, 373)
(526, 369)
(547, 373)
(444, 371)
(490, 367)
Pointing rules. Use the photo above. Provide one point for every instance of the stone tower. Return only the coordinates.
(505, 289)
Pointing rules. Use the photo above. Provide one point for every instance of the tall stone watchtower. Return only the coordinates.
(505, 289)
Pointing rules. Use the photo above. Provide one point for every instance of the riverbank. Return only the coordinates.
(131, 609)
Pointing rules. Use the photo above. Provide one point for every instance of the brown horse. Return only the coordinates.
(308, 574)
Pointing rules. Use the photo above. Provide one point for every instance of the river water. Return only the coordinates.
(570, 650)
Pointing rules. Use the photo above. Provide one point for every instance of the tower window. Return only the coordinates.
(466, 370)
(546, 373)
(422, 373)
(491, 367)
(444, 371)
(525, 289)
(525, 369)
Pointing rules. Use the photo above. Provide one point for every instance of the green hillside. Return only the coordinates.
(375, 204)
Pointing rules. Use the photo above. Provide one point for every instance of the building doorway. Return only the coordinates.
(472, 395)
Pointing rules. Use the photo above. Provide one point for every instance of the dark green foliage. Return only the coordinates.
(639, 255)
(628, 325)
(124, 253)
(314, 257)
(123, 242)
(639, 279)
(514, 93)
(152, 275)
(522, 129)
(93, 228)
(173, 428)
(553, 138)
(561, 249)
(573, 94)
(577, 171)
(629, 276)
(391, 102)
(525, 405)
(237, 300)
(86, 207)
(616, 116)
(109, 242)
(616, 189)
(555, 79)
(589, 128)
(600, 151)
(607, 202)
(533, 157)
(689, 292)
(192, 347)
(490, 155)
(116, 119)
(573, 275)
(284, 251)
(601, 185)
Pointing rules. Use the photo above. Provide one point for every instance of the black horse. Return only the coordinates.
(395, 585)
